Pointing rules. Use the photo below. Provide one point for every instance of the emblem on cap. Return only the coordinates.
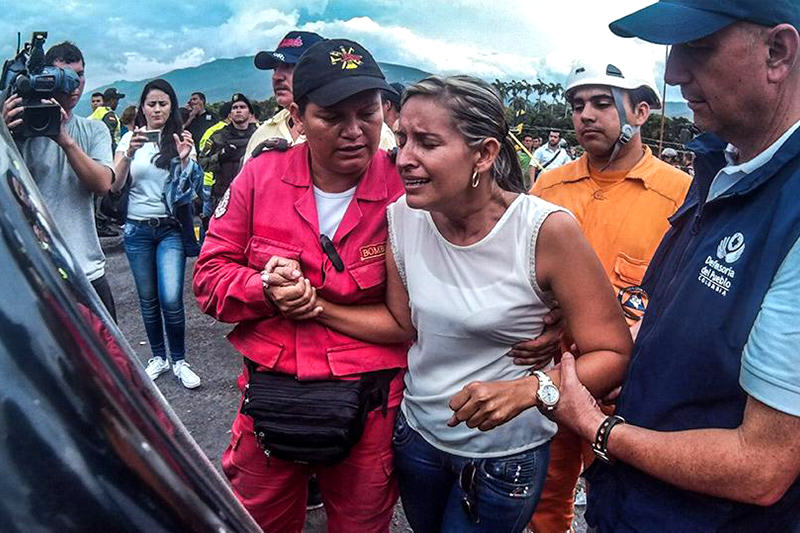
(347, 58)
(290, 42)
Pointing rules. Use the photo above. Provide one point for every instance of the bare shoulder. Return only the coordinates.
(559, 229)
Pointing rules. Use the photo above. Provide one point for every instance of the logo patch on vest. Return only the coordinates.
(716, 273)
(222, 206)
(371, 251)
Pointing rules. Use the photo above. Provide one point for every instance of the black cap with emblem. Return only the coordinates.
(334, 70)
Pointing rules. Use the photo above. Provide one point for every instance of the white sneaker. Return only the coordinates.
(156, 366)
(580, 495)
(186, 375)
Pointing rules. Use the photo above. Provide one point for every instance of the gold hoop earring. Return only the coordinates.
(476, 179)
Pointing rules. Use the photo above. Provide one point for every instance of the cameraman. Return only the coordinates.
(70, 170)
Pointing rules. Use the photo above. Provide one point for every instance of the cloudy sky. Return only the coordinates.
(508, 39)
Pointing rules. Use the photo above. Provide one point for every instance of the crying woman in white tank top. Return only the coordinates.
(473, 267)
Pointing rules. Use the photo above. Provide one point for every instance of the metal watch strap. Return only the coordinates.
(600, 444)
(543, 378)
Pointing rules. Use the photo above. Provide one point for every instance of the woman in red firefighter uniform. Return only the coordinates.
(323, 204)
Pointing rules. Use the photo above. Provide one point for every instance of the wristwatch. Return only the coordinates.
(548, 393)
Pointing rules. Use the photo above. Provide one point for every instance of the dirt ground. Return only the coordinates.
(207, 412)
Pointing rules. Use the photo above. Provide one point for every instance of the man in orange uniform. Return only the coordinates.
(622, 196)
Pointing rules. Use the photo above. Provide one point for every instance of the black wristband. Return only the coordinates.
(600, 444)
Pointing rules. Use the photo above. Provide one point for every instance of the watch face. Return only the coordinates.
(549, 394)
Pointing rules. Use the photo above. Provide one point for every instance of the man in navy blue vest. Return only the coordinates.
(710, 439)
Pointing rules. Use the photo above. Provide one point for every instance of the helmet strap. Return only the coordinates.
(626, 131)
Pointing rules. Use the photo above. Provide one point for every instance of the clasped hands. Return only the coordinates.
(289, 291)
(482, 405)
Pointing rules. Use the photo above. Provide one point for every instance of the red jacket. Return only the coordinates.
(272, 211)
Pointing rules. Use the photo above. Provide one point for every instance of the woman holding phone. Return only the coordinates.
(152, 235)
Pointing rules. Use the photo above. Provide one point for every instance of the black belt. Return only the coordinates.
(155, 222)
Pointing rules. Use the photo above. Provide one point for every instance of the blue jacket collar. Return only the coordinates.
(710, 159)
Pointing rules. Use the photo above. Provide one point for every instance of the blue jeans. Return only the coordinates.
(158, 265)
(442, 492)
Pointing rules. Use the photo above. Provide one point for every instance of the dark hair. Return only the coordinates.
(392, 98)
(97, 94)
(639, 95)
(66, 52)
(201, 95)
(173, 124)
(128, 115)
(477, 112)
(555, 131)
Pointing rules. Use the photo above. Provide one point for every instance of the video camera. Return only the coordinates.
(27, 76)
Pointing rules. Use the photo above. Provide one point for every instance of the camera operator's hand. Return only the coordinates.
(184, 144)
(12, 111)
(64, 139)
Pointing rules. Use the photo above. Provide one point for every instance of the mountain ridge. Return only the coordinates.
(216, 80)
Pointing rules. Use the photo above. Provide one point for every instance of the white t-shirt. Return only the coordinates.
(147, 188)
(556, 157)
(331, 207)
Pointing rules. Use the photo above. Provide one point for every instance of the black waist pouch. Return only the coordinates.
(314, 422)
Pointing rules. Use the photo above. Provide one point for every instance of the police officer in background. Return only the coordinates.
(106, 113)
(224, 152)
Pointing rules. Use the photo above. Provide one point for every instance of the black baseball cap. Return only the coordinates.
(288, 51)
(681, 21)
(334, 70)
(239, 97)
(112, 94)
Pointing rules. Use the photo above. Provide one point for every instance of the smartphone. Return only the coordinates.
(152, 135)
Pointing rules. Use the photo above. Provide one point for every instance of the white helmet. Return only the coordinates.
(617, 79)
(610, 75)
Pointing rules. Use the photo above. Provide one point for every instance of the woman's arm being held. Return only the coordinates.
(382, 323)
(567, 265)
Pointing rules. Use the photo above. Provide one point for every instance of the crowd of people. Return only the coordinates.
(429, 311)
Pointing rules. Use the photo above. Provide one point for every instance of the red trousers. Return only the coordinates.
(359, 493)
